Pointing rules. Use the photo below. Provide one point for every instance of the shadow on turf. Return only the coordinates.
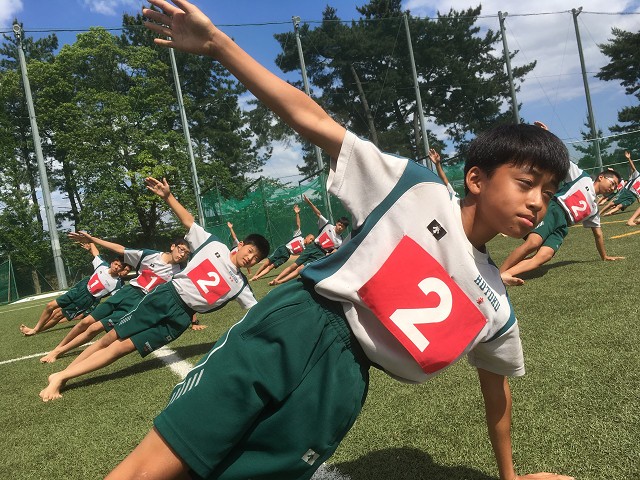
(542, 271)
(405, 464)
(145, 365)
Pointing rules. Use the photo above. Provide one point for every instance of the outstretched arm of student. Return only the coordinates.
(296, 209)
(313, 207)
(84, 237)
(437, 161)
(497, 402)
(628, 157)
(234, 237)
(599, 237)
(191, 31)
(163, 190)
(91, 247)
(152, 459)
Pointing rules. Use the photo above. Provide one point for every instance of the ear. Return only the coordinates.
(474, 180)
(240, 244)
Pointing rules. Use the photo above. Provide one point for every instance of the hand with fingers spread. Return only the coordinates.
(160, 188)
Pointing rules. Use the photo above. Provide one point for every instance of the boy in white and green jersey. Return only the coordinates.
(628, 194)
(211, 279)
(411, 291)
(154, 268)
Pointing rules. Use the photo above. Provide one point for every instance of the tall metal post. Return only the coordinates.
(44, 182)
(592, 121)
(187, 137)
(507, 61)
(305, 82)
(423, 127)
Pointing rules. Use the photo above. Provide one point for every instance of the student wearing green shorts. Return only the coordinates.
(627, 195)
(280, 255)
(277, 393)
(211, 279)
(154, 268)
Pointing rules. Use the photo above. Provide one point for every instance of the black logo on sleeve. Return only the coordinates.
(436, 230)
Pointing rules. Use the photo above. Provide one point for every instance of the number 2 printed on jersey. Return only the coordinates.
(211, 285)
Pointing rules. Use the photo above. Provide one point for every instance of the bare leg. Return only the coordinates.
(44, 317)
(633, 221)
(541, 257)
(613, 210)
(263, 271)
(80, 339)
(283, 274)
(101, 358)
(56, 317)
(77, 329)
(529, 246)
(104, 342)
(291, 276)
(607, 206)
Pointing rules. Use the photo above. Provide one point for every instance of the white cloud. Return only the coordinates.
(110, 7)
(8, 11)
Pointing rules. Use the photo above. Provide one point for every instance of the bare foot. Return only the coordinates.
(510, 280)
(273, 282)
(52, 392)
(631, 224)
(50, 357)
(26, 331)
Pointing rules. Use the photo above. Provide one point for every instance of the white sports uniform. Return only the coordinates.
(101, 283)
(296, 244)
(327, 238)
(152, 270)
(577, 197)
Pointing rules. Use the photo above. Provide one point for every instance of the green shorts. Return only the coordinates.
(553, 227)
(279, 256)
(274, 396)
(310, 254)
(160, 318)
(77, 300)
(624, 198)
(117, 306)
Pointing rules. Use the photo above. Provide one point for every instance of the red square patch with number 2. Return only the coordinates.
(578, 206)
(209, 282)
(418, 302)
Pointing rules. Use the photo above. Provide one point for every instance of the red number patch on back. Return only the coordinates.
(418, 302)
(578, 206)
(209, 282)
(325, 241)
(95, 286)
(296, 246)
(149, 280)
(636, 185)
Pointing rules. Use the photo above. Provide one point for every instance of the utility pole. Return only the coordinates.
(416, 85)
(592, 121)
(44, 182)
(305, 82)
(507, 61)
(187, 137)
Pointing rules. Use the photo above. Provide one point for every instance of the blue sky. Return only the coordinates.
(542, 31)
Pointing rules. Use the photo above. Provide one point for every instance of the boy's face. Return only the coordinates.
(308, 239)
(179, 253)
(512, 201)
(247, 255)
(340, 227)
(605, 185)
(116, 267)
(126, 268)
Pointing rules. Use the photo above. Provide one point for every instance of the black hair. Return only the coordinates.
(181, 241)
(518, 145)
(610, 172)
(258, 241)
(344, 221)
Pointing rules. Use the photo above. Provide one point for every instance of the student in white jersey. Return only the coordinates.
(327, 241)
(210, 280)
(278, 392)
(280, 255)
(154, 268)
(84, 295)
(575, 202)
(627, 195)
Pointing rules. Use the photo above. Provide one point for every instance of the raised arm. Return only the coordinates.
(191, 31)
(90, 247)
(435, 158)
(84, 237)
(234, 237)
(313, 207)
(628, 157)
(162, 189)
(296, 209)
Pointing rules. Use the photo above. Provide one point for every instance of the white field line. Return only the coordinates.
(22, 308)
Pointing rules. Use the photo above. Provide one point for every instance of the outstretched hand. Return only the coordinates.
(543, 476)
(229, 224)
(189, 29)
(80, 237)
(296, 209)
(434, 156)
(538, 123)
(609, 258)
(160, 188)
(627, 155)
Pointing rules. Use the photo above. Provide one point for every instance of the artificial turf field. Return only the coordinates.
(576, 411)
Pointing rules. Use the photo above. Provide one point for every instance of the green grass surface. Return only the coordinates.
(576, 411)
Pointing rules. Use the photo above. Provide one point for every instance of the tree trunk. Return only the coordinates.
(36, 282)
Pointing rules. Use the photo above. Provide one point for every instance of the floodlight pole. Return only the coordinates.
(416, 85)
(44, 182)
(305, 82)
(507, 61)
(592, 121)
(187, 137)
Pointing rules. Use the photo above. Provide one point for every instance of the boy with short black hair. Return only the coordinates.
(327, 241)
(84, 295)
(278, 392)
(280, 255)
(154, 268)
(628, 194)
(210, 280)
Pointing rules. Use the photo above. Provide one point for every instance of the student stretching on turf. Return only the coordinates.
(627, 195)
(208, 282)
(282, 387)
(574, 202)
(328, 241)
(280, 255)
(235, 242)
(154, 268)
(84, 295)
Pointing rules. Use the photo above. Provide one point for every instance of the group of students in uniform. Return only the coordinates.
(280, 389)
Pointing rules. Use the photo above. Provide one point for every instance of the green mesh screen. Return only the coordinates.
(8, 290)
